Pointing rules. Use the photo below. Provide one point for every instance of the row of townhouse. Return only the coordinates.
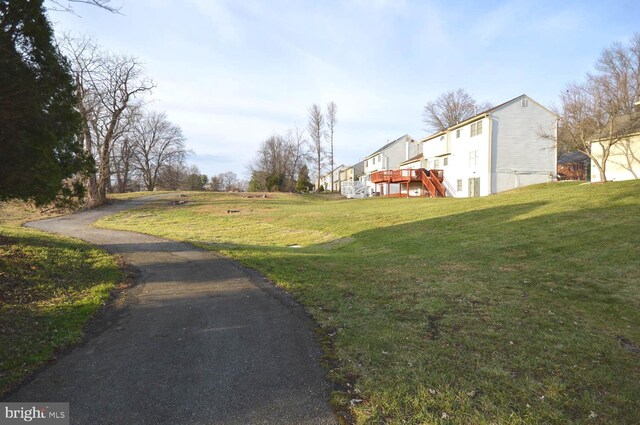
(505, 147)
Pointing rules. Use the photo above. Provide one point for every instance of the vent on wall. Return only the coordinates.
(524, 102)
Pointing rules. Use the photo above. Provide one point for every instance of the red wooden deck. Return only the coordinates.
(431, 181)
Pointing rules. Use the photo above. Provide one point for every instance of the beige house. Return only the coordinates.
(623, 162)
(325, 181)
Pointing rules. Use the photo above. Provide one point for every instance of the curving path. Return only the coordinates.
(200, 340)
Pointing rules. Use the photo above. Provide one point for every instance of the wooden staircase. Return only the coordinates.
(432, 181)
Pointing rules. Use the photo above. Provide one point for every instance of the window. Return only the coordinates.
(473, 158)
(445, 161)
(476, 128)
(459, 188)
(524, 103)
(457, 133)
(436, 163)
(373, 161)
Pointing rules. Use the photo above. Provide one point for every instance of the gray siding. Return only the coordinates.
(397, 153)
(520, 156)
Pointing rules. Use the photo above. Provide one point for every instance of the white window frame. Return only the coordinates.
(476, 128)
(473, 158)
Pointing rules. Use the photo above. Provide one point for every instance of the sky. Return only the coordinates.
(233, 73)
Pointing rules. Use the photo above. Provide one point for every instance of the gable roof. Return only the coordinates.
(572, 157)
(388, 145)
(413, 159)
(485, 114)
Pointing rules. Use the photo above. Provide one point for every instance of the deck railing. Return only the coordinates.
(430, 179)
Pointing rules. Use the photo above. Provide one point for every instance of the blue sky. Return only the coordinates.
(232, 73)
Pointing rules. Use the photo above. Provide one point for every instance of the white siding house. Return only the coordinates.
(497, 150)
(389, 157)
(623, 162)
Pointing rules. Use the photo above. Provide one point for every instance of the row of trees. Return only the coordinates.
(278, 162)
(133, 147)
(281, 163)
(73, 119)
(321, 128)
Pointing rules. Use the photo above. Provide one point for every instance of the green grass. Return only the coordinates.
(522, 307)
(49, 287)
(133, 195)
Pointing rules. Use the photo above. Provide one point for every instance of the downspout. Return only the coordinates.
(489, 156)
(555, 151)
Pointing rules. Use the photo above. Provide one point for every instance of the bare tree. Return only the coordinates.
(332, 110)
(215, 184)
(600, 112)
(107, 85)
(277, 161)
(296, 155)
(157, 143)
(67, 6)
(450, 108)
(228, 180)
(123, 152)
(173, 175)
(315, 127)
(84, 57)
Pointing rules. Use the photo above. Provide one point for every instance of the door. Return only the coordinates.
(474, 187)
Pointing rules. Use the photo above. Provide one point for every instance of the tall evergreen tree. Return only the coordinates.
(39, 124)
(304, 183)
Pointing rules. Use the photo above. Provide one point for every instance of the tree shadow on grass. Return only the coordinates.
(523, 304)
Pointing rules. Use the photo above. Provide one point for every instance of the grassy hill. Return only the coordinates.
(522, 307)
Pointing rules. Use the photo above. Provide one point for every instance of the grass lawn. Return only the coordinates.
(133, 195)
(49, 287)
(522, 307)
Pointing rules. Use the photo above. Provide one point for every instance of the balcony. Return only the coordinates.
(399, 183)
(396, 176)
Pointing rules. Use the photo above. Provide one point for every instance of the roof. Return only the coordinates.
(484, 114)
(572, 157)
(388, 145)
(413, 159)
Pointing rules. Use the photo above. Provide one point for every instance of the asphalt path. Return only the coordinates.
(199, 340)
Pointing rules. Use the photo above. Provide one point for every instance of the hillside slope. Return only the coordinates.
(519, 307)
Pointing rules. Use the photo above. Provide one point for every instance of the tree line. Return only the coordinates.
(74, 120)
(282, 160)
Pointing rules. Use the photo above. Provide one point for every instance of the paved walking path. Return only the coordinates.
(200, 340)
